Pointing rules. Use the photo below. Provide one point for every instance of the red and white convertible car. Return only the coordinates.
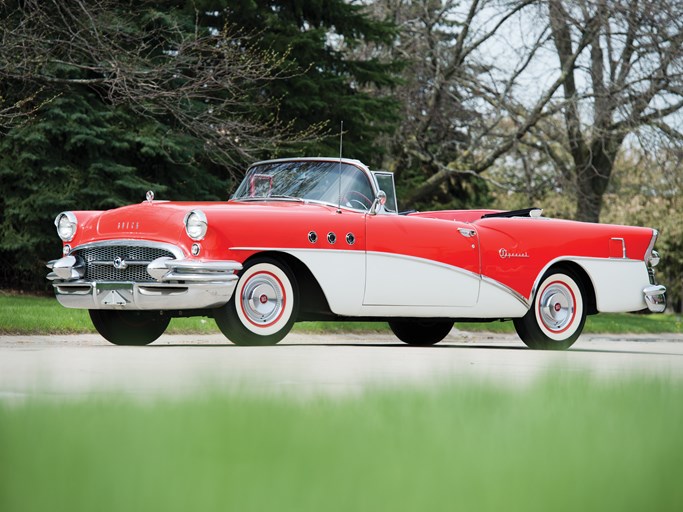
(322, 238)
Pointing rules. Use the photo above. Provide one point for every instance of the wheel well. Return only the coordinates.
(313, 303)
(576, 269)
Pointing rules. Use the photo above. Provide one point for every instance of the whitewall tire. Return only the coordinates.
(558, 313)
(264, 305)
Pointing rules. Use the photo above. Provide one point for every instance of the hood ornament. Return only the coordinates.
(150, 196)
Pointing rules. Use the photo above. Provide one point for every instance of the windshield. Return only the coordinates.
(308, 181)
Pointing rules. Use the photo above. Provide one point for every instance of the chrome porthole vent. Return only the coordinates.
(312, 237)
(331, 238)
(350, 238)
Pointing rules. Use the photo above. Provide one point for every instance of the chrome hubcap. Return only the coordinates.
(556, 307)
(262, 299)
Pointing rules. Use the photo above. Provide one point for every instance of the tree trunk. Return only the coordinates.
(591, 187)
(593, 173)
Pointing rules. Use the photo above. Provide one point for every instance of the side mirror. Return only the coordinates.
(380, 200)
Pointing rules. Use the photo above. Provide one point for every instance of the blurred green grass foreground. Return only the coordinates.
(567, 444)
(26, 314)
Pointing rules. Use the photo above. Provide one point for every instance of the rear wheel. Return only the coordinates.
(129, 327)
(263, 307)
(558, 313)
(421, 332)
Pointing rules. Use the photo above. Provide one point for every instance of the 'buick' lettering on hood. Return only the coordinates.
(128, 226)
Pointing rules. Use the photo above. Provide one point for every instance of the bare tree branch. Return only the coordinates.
(207, 83)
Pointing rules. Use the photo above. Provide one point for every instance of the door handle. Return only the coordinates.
(467, 233)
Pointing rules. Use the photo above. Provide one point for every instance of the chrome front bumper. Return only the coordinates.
(655, 298)
(180, 284)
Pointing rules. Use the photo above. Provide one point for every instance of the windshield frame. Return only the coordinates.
(346, 163)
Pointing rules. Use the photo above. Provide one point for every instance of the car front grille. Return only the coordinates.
(99, 262)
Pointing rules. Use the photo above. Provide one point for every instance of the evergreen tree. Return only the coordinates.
(82, 154)
(134, 96)
(329, 79)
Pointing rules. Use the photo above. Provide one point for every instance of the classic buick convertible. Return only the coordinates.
(322, 238)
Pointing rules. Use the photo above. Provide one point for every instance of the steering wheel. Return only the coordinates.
(353, 196)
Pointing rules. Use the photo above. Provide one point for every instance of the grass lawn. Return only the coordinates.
(26, 314)
(568, 444)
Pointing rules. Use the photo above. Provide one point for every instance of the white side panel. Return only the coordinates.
(341, 275)
(394, 280)
(495, 301)
(498, 301)
(618, 283)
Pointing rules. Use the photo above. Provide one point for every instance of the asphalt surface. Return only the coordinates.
(306, 365)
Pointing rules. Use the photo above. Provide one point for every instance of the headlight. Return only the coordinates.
(196, 224)
(66, 224)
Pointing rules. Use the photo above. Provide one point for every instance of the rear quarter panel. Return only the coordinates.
(518, 251)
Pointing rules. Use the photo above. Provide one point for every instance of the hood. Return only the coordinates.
(165, 219)
(145, 220)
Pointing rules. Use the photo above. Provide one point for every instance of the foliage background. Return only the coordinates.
(464, 101)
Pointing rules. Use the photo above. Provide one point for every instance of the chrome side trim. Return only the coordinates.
(623, 246)
(505, 288)
(648, 252)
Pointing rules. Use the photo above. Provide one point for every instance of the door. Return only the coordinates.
(420, 261)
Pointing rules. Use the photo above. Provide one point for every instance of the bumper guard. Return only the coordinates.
(655, 298)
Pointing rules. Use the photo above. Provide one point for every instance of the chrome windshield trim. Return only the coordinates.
(348, 161)
(314, 202)
(271, 198)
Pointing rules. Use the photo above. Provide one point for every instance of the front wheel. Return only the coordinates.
(558, 313)
(421, 332)
(129, 327)
(263, 307)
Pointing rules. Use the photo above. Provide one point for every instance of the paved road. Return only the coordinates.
(310, 365)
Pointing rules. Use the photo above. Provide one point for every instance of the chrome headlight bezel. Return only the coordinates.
(67, 225)
(196, 225)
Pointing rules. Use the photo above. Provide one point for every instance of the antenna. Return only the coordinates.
(341, 139)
